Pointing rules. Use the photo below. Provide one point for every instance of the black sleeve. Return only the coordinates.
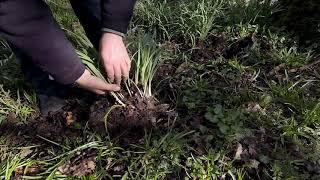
(116, 14)
(28, 25)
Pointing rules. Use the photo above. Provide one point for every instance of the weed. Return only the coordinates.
(229, 121)
(160, 157)
(9, 106)
(212, 166)
(198, 95)
(313, 116)
(236, 64)
(292, 97)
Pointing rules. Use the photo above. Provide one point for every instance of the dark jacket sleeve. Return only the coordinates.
(30, 28)
(116, 14)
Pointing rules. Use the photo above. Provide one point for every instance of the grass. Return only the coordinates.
(291, 57)
(6, 54)
(15, 108)
(250, 115)
(197, 20)
(185, 20)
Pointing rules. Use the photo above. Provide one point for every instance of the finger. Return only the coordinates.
(110, 73)
(104, 88)
(100, 85)
(128, 62)
(99, 92)
(124, 70)
(117, 74)
(94, 84)
(97, 85)
(111, 87)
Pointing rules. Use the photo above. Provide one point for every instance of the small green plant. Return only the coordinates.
(237, 65)
(198, 95)
(212, 166)
(160, 156)
(291, 57)
(287, 94)
(312, 116)
(205, 167)
(229, 121)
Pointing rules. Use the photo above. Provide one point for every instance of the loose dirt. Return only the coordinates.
(83, 163)
(140, 114)
(55, 127)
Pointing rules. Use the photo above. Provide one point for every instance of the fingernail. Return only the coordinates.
(101, 93)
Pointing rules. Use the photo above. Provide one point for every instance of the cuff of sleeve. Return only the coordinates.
(113, 32)
(72, 76)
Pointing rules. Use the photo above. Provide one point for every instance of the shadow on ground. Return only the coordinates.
(300, 17)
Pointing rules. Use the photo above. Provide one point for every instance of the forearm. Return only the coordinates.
(116, 15)
(29, 27)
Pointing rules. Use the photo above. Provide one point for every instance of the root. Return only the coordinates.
(117, 99)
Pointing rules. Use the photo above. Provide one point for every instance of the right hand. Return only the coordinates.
(94, 84)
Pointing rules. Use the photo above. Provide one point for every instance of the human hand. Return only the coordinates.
(94, 84)
(114, 57)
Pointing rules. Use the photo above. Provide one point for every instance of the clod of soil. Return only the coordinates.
(55, 127)
(139, 113)
(238, 46)
(208, 50)
(27, 171)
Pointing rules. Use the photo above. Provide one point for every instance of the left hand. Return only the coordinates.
(114, 57)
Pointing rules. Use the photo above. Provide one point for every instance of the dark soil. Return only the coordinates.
(211, 48)
(55, 127)
(257, 151)
(238, 46)
(165, 70)
(83, 163)
(129, 122)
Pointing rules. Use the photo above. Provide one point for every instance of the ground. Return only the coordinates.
(235, 96)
